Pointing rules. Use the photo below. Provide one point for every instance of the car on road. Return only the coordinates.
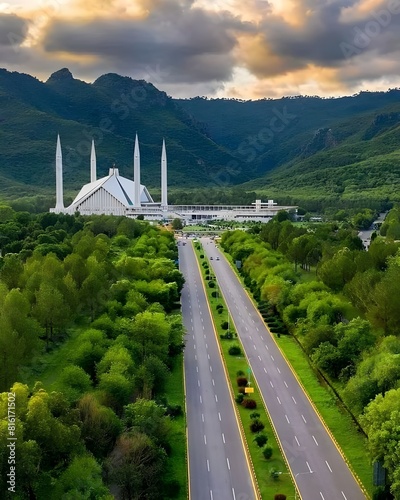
(217, 258)
(211, 258)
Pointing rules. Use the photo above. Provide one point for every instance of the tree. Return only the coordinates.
(177, 224)
(150, 336)
(136, 466)
(100, 426)
(19, 336)
(147, 417)
(50, 309)
(82, 479)
(75, 382)
(381, 420)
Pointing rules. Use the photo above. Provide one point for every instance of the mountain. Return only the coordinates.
(335, 151)
(296, 149)
(110, 110)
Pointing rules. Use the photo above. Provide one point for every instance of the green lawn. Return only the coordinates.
(268, 486)
(177, 465)
(47, 367)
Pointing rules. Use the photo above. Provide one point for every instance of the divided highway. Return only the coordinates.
(317, 466)
(218, 466)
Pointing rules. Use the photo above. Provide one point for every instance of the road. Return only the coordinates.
(218, 468)
(317, 466)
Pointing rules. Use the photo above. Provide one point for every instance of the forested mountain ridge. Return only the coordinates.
(292, 149)
(306, 148)
(110, 110)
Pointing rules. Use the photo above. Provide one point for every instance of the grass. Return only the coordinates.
(47, 367)
(267, 485)
(177, 466)
(347, 435)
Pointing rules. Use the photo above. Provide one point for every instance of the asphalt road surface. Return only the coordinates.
(218, 468)
(317, 466)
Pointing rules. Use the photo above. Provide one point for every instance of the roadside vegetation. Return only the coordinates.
(339, 302)
(91, 341)
(270, 468)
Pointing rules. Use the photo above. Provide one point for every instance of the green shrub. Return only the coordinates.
(256, 426)
(211, 284)
(214, 294)
(225, 325)
(240, 373)
(239, 398)
(280, 496)
(261, 439)
(267, 452)
(274, 473)
(254, 415)
(235, 350)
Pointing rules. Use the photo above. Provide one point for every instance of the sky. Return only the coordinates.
(245, 49)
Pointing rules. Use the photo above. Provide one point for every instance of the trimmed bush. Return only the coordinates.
(261, 440)
(240, 373)
(239, 398)
(255, 415)
(224, 325)
(280, 496)
(267, 452)
(219, 306)
(250, 404)
(220, 311)
(274, 473)
(256, 426)
(211, 284)
(241, 381)
(214, 294)
(201, 256)
(235, 350)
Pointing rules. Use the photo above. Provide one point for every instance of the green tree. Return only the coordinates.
(381, 420)
(82, 480)
(150, 336)
(100, 426)
(177, 224)
(136, 466)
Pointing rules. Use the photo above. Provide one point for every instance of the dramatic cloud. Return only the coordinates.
(229, 47)
(185, 45)
(13, 30)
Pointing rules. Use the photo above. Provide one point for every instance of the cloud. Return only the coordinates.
(185, 44)
(192, 47)
(13, 30)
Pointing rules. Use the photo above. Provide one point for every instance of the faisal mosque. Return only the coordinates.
(117, 195)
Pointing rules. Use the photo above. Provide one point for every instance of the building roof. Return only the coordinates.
(119, 187)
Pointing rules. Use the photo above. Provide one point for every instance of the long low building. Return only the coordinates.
(117, 195)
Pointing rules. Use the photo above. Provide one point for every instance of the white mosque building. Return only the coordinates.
(117, 195)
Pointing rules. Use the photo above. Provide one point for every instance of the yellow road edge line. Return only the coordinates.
(354, 474)
(239, 422)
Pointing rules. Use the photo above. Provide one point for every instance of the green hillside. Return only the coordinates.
(110, 110)
(300, 149)
(330, 151)
(359, 164)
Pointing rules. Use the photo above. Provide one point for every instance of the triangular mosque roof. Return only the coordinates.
(121, 188)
